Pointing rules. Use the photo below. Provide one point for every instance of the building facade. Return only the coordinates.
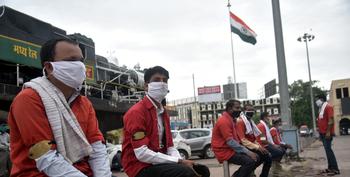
(339, 98)
(210, 112)
(229, 91)
(187, 113)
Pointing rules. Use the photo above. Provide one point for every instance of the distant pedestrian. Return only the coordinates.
(325, 123)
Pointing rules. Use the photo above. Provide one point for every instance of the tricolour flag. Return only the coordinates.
(241, 29)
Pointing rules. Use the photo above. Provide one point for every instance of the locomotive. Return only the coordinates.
(112, 89)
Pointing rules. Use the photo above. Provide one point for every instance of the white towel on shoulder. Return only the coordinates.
(323, 107)
(268, 134)
(250, 126)
(69, 137)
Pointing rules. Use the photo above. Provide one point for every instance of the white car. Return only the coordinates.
(183, 148)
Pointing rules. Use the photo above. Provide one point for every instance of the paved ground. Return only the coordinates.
(315, 158)
(311, 162)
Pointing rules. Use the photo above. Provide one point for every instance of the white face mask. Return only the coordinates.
(157, 90)
(71, 73)
(319, 103)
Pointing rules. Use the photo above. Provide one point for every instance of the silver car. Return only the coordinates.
(199, 140)
(183, 148)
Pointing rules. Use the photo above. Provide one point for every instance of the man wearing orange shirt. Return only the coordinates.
(248, 133)
(325, 122)
(225, 142)
(54, 130)
(276, 135)
(274, 149)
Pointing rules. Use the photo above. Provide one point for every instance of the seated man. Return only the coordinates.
(266, 139)
(148, 149)
(53, 129)
(225, 142)
(247, 133)
(276, 135)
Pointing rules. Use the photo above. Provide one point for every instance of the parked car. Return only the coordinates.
(183, 148)
(114, 152)
(199, 140)
(304, 130)
(344, 131)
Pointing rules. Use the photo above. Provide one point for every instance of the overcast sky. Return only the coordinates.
(193, 37)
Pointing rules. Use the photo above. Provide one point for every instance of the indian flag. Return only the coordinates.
(241, 29)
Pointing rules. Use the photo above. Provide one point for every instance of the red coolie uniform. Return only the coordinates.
(323, 122)
(142, 117)
(262, 129)
(29, 125)
(224, 130)
(276, 136)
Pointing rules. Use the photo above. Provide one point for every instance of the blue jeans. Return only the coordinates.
(276, 153)
(327, 144)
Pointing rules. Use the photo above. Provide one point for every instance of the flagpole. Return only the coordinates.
(233, 57)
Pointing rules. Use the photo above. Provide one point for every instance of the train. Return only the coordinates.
(112, 89)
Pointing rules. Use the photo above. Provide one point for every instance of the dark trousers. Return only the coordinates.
(327, 144)
(267, 160)
(276, 153)
(247, 164)
(166, 170)
(5, 163)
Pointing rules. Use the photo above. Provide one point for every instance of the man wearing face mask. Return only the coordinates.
(277, 136)
(148, 149)
(266, 139)
(325, 122)
(248, 132)
(54, 130)
(225, 142)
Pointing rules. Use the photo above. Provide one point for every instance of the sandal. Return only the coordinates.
(325, 171)
(333, 172)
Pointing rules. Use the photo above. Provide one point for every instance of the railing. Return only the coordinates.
(9, 90)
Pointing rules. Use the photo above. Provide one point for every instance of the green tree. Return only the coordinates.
(300, 102)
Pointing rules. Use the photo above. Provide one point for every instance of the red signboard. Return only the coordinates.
(209, 90)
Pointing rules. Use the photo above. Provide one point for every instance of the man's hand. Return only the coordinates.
(264, 142)
(328, 135)
(252, 155)
(263, 150)
(289, 146)
(188, 163)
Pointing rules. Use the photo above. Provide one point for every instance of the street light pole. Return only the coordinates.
(307, 38)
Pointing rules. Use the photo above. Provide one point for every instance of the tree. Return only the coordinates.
(300, 102)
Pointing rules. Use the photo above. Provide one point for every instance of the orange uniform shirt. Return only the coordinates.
(241, 131)
(29, 125)
(262, 129)
(276, 136)
(224, 130)
(323, 123)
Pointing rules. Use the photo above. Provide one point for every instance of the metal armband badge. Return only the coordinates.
(39, 149)
(138, 135)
